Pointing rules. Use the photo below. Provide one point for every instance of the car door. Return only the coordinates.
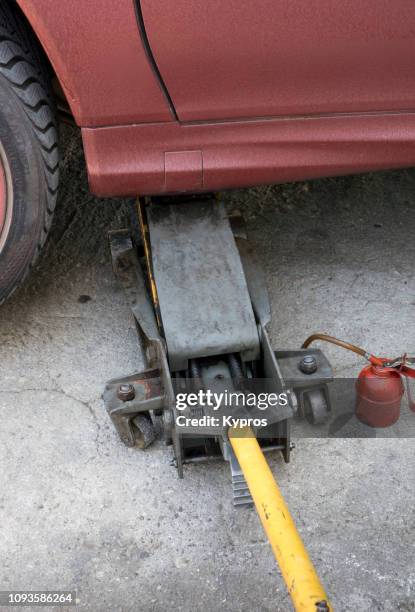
(231, 60)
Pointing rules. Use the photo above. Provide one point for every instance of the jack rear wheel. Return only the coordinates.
(316, 408)
(143, 431)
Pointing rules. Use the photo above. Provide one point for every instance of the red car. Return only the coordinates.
(194, 96)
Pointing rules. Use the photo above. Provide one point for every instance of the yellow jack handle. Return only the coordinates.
(303, 583)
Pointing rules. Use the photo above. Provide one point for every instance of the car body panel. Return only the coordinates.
(263, 58)
(310, 57)
(100, 60)
(168, 158)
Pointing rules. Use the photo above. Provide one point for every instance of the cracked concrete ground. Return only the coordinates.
(78, 510)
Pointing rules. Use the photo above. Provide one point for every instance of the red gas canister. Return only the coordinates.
(379, 392)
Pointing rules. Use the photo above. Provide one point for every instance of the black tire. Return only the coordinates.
(28, 149)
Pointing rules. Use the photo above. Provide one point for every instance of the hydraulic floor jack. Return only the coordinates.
(201, 307)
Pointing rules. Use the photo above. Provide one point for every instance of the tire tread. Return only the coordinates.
(23, 67)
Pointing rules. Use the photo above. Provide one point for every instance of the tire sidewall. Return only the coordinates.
(28, 187)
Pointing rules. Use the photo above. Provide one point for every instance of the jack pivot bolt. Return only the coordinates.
(126, 392)
(308, 364)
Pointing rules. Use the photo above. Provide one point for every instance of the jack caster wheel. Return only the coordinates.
(143, 431)
(316, 409)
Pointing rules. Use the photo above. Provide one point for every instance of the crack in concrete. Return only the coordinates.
(60, 391)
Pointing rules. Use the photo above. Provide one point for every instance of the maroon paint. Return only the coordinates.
(131, 160)
(263, 58)
(183, 171)
(3, 196)
(230, 60)
(97, 53)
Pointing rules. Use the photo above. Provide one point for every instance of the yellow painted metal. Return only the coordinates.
(145, 234)
(303, 583)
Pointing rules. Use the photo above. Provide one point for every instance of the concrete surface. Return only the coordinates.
(80, 511)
